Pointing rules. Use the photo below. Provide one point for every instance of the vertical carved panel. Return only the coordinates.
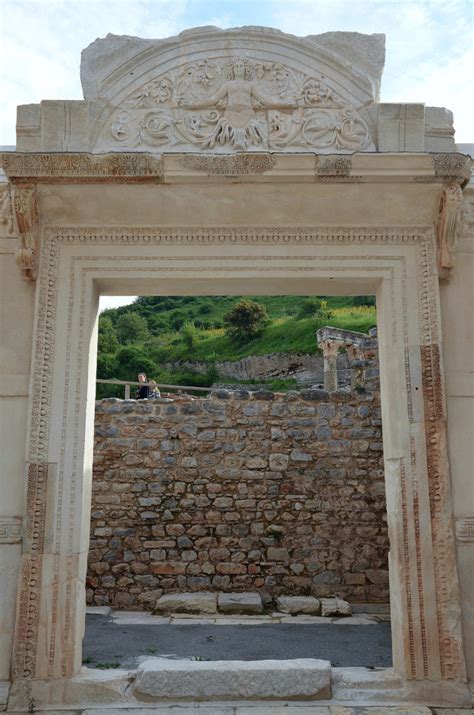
(447, 590)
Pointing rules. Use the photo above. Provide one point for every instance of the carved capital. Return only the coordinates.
(25, 217)
(330, 348)
(452, 167)
(354, 352)
(448, 227)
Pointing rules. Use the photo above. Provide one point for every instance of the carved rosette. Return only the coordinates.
(448, 227)
(25, 215)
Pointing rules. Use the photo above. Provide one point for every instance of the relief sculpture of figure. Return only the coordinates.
(240, 125)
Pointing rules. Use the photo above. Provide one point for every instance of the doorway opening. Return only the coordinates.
(396, 264)
(255, 499)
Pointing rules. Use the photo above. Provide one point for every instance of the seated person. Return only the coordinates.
(154, 390)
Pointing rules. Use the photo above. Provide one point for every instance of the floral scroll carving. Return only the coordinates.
(25, 216)
(239, 105)
(6, 210)
(448, 227)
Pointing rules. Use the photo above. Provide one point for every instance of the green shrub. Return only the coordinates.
(189, 335)
(246, 319)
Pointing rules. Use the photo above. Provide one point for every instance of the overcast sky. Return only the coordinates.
(430, 55)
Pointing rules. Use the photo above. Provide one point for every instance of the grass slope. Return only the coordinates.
(292, 326)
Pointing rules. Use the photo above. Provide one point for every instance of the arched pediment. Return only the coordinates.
(250, 89)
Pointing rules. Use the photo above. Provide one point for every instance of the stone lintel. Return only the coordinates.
(130, 167)
(352, 337)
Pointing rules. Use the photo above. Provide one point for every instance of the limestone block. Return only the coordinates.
(240, 603)
(199, 602)
(298, 678)
(439, 130)
(401, 127)
(298, 604)
(335, 607)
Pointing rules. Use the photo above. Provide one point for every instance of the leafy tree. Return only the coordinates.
(246, 319)
(107, 341)
(132, 328)
(358, 300)
(106, 366)
(315, 308)
(177, 318)
(132, 360)
(158, 325)
(309, 308)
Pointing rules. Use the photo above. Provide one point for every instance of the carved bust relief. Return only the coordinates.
(228, 91)
(239, 104)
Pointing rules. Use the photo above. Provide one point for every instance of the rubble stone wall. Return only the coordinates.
(305, 369)
(280, 493)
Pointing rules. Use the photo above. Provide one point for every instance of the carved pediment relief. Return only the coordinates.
(250, 96)
(239, 105)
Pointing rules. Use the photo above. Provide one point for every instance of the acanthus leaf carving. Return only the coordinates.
(241, 105)
(448, 227)
(6, 209)
(25, 216)
(452, 166)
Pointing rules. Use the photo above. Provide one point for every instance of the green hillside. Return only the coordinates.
(156, 330)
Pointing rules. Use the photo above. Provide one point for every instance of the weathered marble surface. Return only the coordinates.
(224, 91)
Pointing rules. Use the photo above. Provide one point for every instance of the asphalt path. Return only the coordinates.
(108, 644)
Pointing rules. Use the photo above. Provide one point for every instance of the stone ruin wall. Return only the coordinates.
(305, 369)
(280, 493)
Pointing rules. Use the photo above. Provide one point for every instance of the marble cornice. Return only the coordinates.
(132, 167)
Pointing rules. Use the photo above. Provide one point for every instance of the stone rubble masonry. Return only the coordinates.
(305, 369)
(282, 494)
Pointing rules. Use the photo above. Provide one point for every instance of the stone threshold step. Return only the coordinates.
(159, 678)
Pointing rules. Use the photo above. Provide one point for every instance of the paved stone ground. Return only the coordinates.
(256, 708)
(120, 640)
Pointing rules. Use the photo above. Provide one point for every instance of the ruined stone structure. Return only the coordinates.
(239, 492)
(234, 162)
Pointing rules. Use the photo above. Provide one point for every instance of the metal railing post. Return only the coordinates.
(127, 391)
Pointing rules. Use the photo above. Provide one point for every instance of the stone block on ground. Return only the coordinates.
(243, 603)
(196, 602)
(335, 607)
(305, 678)
(298, 604)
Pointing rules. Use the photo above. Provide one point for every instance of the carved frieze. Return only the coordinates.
(448, 227)
(238, 104)
(234, 165)
(81, 167)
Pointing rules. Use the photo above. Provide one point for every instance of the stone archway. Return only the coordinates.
(76, 263)
(236, 223)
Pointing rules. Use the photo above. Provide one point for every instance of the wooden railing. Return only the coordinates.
(176, 388)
